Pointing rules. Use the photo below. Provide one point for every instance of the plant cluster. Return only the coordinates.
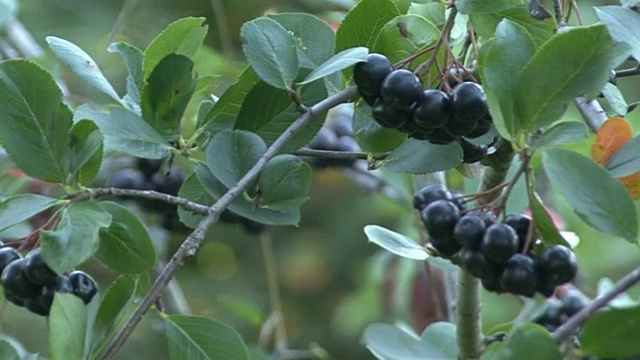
(399, 102)
(498, 253)
(559, 309)
(335, 135)
(29, 282)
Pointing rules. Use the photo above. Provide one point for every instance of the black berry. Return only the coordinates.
(445, 246)
(429, 194)
(433, 109)
(82, 285)
(37, 271)
(171, 183)
(469, 102)
(476, 263)
(440, 136)
(552, 315)
(325, 139)
(148, 167)
(14, 281)
(472, 153)
(469, 230)
(129, 179)
(520, 223)
(369, 75)
(499, 243)
(341, 126)
(62, 285)
(388, 116)
(439, 218)
(558, 264)
(401, 89)
(519, 275)
(36, 307)
(7, 255)
(573, 302)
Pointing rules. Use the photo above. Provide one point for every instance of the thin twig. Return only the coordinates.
(192, 242)
(328, 154)
(628, 72)
(557, 8)
(569, 327)
(592, 112)
(274, 289)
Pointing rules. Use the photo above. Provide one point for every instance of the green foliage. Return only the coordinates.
(192, 337)
(271, 50)
(615, 98)
(405, 35)
(111, 309)
(388, 342)
(284, 183)
(339, 61)
(589, 188)
(193, 190)
(363, 23)
(623, 24)
(539, 30)
(125, 245)
(544, 224)
(612, 333)
(18, 208)
(480, 6)
(370, 135)
(434, 12)
(68, 322)
(132, 57)
(560, 133)
(232, 154)
(396, 243)
(85, 151)
(625, 161)
(182, 37)
(527, 342)
(9, 349)
(420, 157)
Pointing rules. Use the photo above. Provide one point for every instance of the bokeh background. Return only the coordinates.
(333, 282)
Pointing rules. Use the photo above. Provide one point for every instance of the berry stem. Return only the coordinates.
(446, 32)
(469, 325)
(502, 202)
(266, 241)
(193, 241)
(628, 72)
(569, 327)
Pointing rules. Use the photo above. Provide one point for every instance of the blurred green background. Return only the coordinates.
(333, 282)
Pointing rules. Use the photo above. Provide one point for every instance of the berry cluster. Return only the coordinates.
(399, 102)
(28, 282)
(147, 176)
(336, 135)
(559, 310)
(492, 251)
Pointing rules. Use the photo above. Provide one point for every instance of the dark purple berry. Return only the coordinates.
(520, 223)
(13, 279)
(433, 109)
(37, 271)
(558, 264)
(499, 243)
(82, 285)
(439, 218)
(440, 136)
(429, 194)
(476, 263)
(389, 117)
(519, 275)
(62, 285)
(469, 102)
(148, 167)
(446, 246)
(341, 125)
(552, 315)
(401, 89)
(325, 139)
(7, 255)
(36, 307)
(573, 302)
(171, 183)
(369, 75)
(469, 231)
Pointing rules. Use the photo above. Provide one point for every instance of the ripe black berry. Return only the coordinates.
(552, 315)
(520, 223)
(346, 144)
(388, 116)
(15, 282)
(472, 153)
(341, 126)
(457, 199)
(36, 307)
(499, 243)
(429, 194)
(440, 136)
(469, 102)
(82, 285)
(401, 89)
(129, 179)
(519, 275)
(7, 255)
(325, 139)
(369, 75)
(544, 287)
(483, 127)
(433, 109)
(13, 298)
(558, 264)
(476, 263)
(573, 302)
(445, 246)
(439, 218)
(148, 167)
(487, 217)
(37, 271)
(492, 283)
(171, 183)
(62, 285)
(468, 231)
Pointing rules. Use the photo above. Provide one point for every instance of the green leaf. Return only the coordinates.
(501, 67)
(243, 207)
(589, 188)
(562, 133)
(125, 245)
(271, 50)
(582, 59)
(405, 35)
(484, 6)
(528, 342)
(625, 161)
(284, 183)
(372, 137)
(623, 24)
(182, 37)
(420, 157)
(611, 333)
(434, 12)
(615, 98)
(223, 114)
(623, 300)
(34, 123)
(110, 312)
(232, 154)
(339, 61)
(125, 131)
(167, 93)
(363, 23)
(540, 31)
(269, 112)
(198, 338)
(67, 323)
(82, 65)
(76, 238)
(396, 243)
(8, 10)
(85, 151)
(18, 208)
(132, 57)
(315, 40)
(193, 190)
(544, 224)
(388, 342)
(9, 349)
